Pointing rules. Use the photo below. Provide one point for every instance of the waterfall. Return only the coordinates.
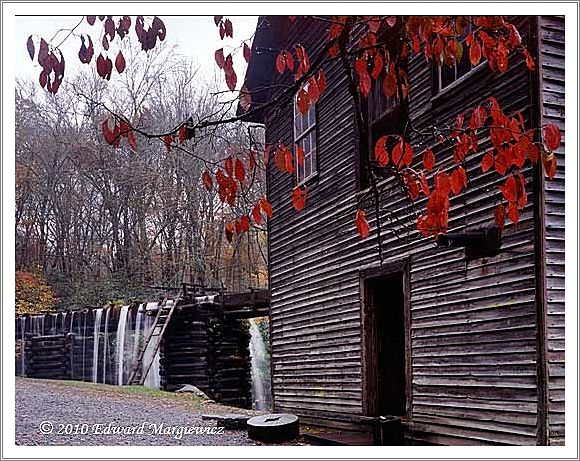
(152, 378)
(259, 365)
(96, 332)
(106, 345)
(120, 341)
(137, 336)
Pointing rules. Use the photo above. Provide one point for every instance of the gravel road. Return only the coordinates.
(90, 414)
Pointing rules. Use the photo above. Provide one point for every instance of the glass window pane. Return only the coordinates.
(306, 144)
(298, 125)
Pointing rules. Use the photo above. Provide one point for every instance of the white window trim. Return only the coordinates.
(297, 139)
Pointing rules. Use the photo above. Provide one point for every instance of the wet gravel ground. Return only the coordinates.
(90, 414)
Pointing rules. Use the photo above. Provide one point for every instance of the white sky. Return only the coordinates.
(196, 37)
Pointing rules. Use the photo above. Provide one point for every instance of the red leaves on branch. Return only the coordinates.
(30, 47)
(552, 137)
(299, 198)
(120, 62)
(302, 101)
(227, 189)
(321, 81)
(206, 178)
(230, 73)
(168, 140)
(475, 53)
(550, 165)
(300, 155)
(240, 171)
(247, 52)
(220, 60)
(111, 136)
(229, 231)
(362, 226)
(266, 206)
(104, 67)
(487, 161)
(91, 20)
(364, 79)
(257, 214)
(402, 154)
(86, 52)
(381, 154)
(428, 159)
(458, 180)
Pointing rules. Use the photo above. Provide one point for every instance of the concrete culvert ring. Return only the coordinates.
(273, 427)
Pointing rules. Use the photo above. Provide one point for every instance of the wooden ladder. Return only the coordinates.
(164, 313)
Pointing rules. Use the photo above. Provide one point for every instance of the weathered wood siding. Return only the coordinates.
(472, 324)
(551, 29)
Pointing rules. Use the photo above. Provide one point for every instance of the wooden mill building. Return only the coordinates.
(465, 349)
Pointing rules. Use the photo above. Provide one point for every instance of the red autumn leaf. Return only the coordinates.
(229, 166)
(364, 83)
(300, 155)
(219, 58)
(428, 159)
(402, 154)
(302, 101)
(86, 53)
(442, 183)
(217, 20)
(257, 214)
(390, 83)
(108, 134)
(247, 52)
(245, 223)
(240, 171)
(206, 178)
(391, 21)
(280, 62)
(229, 28)
(313, 91)
(381, 154)
(362, 226)
(513, 213)
(321, 80)
(168, 140)
(299, 198)
(230, 73)
(500, 216)
(229, 230)
(458, 180)
(266, 206)
(289, 59)
(91, 20)
(182, 134)
(30, 47)
(120, 62)
(487, 161)
(132, 140)
(288, 161)
(509, 189)
(550, 165)
(529, 60)
(377, 66)
(552, 137)
(475, 53)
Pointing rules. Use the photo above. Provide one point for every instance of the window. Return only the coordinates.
(305, 137)
(446, 75)
(385, 115)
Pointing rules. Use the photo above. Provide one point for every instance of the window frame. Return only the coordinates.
(312, 128)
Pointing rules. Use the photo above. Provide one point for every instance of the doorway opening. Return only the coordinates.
(385, 350)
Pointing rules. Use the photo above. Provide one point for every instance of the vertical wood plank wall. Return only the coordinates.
(472, 324)
(551, 29)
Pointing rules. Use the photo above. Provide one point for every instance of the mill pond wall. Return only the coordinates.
(201, 346)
